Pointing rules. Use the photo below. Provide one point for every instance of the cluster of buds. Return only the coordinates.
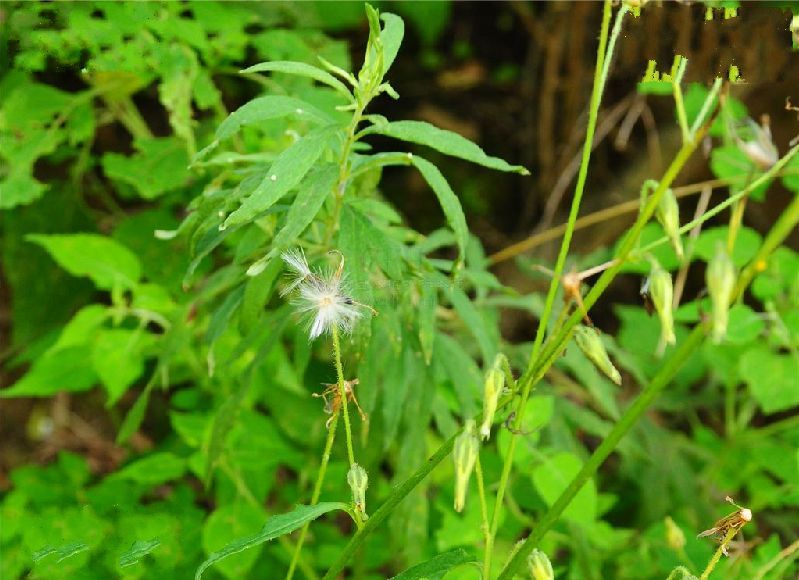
(661, 291)
(589, 341)
(720, 278)
(464, 454)
(493, 387)
(358, 480)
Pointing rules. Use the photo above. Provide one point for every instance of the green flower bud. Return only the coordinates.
(358, 480)
(674, 535)
(720, 277)
(662, 293)
(539, 566)
(590, 343)
(668, 214)
(494, 383)
(465, 454)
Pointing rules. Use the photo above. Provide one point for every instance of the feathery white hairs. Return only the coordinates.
(323, 295)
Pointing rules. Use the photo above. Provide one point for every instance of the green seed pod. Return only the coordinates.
(465, 454)
(662, 293)
(668, 214)
(358, 480)
(590, 343)
(720, 277)
(494, 383)
(539, 566)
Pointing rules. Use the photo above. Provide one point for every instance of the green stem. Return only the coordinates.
(484, 514)
(604, 53)
(682, 118)
(388, 506)
(784, 226)
(317, 491)
(717, 556)
(343, 394)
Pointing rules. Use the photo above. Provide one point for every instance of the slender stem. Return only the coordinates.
(388, 506)
(781, 229)
(706, 106)
(342, 389)
(682, 118)
(791, 551)
(484, 514)
(604, 52)
(717, 556)
(317, 491)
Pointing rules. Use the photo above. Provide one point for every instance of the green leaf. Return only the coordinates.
(159, 165)
(428, 302)
(63, 551)
(437, 566)
(372, 242)
(447, 142)
(226, 524)
(773, 378)
(744, 325)
(275, 527)
(285, 173)
(747, 243)
(117, 359)
(19, 188)
(301, 69)
(475, 323)
(448, 200)
(153, 469)
(108, 263)
(462, 371)
(138, 550)
(269, 107)
(82, 327)
(551, 478)
(223, 313)
(391, 35)
(135, 416)
(732, 164)
(67, 370)
(315, 189)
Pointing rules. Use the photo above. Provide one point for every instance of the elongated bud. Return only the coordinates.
(539, 566)
(662, 293)
(465, 454)
(359, 481)
(590, 343)
(668, 214)
(674, 535)
(494, 383)
(720, 277)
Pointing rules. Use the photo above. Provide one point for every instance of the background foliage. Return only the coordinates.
(158, 402)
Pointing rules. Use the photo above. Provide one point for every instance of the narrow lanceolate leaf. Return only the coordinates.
(108, 263)
(285, 173)
(301, 69)
(437, 566)
(474, 323)
(391, 35)
(138, 550)
(275, 527)
(448, 200)
(309, 201)
(446, 142)
(269, 107)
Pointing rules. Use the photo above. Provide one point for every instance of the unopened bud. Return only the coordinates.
(494, 383)
(720, 277)
(465, 454)
(539, 566)
(668, 214)
(674, 535)
(590, 343)
(662, 293)
(358, 480)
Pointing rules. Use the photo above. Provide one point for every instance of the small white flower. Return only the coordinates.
(323, 295)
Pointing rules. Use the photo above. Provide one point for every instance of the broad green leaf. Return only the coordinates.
(391, 35)
(538, 413)
(462, 371)
(159, 165)
(117, 360)
(475, 323)
(269, 107)
(447, 142)
(275, 527)
(747, 243)
(179, 68)
(226, 524)
(773, 378)
(138, 550)
(67, 370)
(301, 69)
(437, 566)
(553, 475)
(790, 178)
(82, 327)
(154, 469)
(731, 163)
(310, 198)
(744, 325)
(285, 173)
(19, 188)
(448, 200)
(108, 263)
(379, 247)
